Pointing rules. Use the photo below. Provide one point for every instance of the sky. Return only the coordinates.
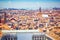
(29, 4)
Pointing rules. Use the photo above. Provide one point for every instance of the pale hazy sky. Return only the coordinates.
(29, 4)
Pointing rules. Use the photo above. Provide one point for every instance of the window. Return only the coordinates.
(38, 37)
(9, 37)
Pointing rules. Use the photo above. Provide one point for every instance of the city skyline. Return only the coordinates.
(29, 4)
